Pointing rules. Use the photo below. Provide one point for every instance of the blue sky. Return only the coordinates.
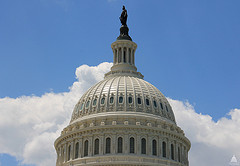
(188, 49)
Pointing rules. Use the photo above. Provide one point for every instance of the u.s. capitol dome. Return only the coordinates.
(122, 120)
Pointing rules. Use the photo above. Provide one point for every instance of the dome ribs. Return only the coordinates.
(109, 108)
(125, 87)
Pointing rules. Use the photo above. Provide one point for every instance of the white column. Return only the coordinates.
(138, 148)
(80, 148)
(159, 147)
(65, 152)
(127, 56)
(126, 144)
(101, 145)
(113, 144)
(90, 146)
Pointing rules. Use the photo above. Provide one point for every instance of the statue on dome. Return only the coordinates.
(123, 17)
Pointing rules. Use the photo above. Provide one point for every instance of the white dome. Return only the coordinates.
(123, 93)
(122, 121)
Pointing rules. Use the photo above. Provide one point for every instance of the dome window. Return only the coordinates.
(108, 145)
(155, 103)
(167, 108)
(120, 99)
(179, 155)
(120, 145)
(132, 145)
(130, 100)
(82, 106)
(96, 146)
(103, 100)
(76, 150)
(111, 99)
(69, 152)
(161, 105)
(172, 151)
(85, 148)
(154, 147)
(94, 102)
(164, 149)
(147, 102)
(87, 105)
(139, 100)
(143, 146)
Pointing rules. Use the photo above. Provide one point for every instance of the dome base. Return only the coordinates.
(122, 160)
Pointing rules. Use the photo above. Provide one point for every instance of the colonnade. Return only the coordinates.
(153, 146)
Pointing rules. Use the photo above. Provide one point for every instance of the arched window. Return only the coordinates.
(132, 145)
(108, 145)
(161, 105)
(85, 148)
(147, 102)
(164, 149)
(103, 100)
(179, 155)
(76, 150)
(167, 108)
(172, 151)
(96, 146)
(129, 59)
(111, 99)
(120, 145)
(120, 99)
(82, 106)
(139, 100)
(154, 147)
(129, 99)
(87, 104)
(69, 152)
(143, 146)
(155, 103)
(94, 102)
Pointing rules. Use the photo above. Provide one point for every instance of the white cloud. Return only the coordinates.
(30, 124)
(213, 143)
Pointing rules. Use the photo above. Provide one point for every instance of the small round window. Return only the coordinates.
(147, 102)
(130, 100)
(155, 103)
(139, 100)
(111, 99)
(120, 99)
(94, 102)
(103, 100)
(87, 105)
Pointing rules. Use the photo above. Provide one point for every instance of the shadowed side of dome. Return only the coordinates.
(123, 93)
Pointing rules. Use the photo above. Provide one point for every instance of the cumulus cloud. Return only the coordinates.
(29, 125)
(213, 143)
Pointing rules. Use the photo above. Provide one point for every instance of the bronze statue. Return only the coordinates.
(123, 17)
(124, 29)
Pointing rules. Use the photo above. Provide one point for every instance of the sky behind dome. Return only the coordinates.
(188, 49)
